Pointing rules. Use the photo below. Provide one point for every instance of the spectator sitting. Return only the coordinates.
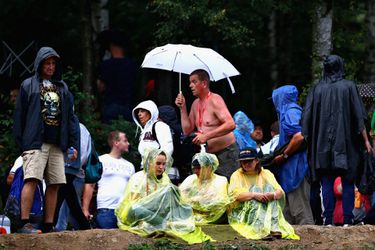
(243, 131)
(116, 174)
(270, 146)
(205, 191)
(257, 211)
(152, 204)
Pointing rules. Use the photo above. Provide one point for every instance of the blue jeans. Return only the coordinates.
(329, 199)
(106, 218)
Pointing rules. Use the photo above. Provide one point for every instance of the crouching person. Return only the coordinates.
(205, 191)
(257, 212)
(152, 204)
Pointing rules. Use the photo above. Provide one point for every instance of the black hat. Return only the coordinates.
(248, 154)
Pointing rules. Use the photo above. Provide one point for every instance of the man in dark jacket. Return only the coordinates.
(44, 127)
(333, 124)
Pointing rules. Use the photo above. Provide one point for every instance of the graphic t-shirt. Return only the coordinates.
(50, 101)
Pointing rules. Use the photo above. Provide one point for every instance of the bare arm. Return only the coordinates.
(365, 139)
(294, 144)
(261, 197)
(88, 190)
(187, 121)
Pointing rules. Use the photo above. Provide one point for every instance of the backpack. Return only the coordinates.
(93, 168)
(13, 205)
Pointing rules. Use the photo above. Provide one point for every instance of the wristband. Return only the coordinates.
(285, 156)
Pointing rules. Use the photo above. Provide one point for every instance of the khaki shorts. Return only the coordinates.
(47, 162)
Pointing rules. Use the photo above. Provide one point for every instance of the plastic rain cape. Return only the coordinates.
(253, 219)
(207, 194)
(152, 206)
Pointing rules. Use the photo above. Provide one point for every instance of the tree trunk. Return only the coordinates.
(274, 73)
(100, 22)
(370, 64)
(322, 36)
(87, 74)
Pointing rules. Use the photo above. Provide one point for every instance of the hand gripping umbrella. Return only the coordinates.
(185, 59)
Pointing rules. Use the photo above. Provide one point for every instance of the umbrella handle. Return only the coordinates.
(230, 84)
(179, 83)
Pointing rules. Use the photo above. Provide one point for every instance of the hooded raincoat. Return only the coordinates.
(153, 205)
(332, 123)
(208, 193)
(28, 126)
(163, 133)
(244, 128)
(293, 171)
(253, 219)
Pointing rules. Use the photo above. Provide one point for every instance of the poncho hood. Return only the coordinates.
(284, 96)
(333, 69)
(244, 128)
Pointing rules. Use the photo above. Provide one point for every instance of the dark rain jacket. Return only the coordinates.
(28, 123)
(333, 119)
(291, 173)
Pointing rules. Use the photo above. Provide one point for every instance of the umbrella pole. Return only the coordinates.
(179, 82)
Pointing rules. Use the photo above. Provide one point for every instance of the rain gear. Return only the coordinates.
(28, 126)
(244, 128)
(293, 171)
(208, 193)
(153, 205)
(147, 140)
(253, 219)
(333, 120)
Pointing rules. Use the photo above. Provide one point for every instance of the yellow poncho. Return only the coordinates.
(253, 219)
(207, 194)
(153, 206)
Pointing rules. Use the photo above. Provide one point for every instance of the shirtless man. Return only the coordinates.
(213, 123)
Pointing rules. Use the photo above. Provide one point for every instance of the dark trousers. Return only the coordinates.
(68, 193)
(329, 199)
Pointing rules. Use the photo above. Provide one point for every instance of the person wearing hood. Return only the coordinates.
(292, 172)
(154, 133)
(45, 126)
(152, 204)
(243, 131)
(205, 191)
(333, 126)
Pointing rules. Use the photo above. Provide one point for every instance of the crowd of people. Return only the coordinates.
(260, 189)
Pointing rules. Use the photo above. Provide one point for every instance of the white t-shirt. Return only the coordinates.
(115, 177)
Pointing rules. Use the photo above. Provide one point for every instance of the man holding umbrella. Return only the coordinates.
(212, 120)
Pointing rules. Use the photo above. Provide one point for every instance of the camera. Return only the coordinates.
(187, 140)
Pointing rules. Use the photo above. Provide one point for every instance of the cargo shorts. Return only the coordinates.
(47, 163)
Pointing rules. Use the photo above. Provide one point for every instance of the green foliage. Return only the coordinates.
(8, 148)
(158, 245)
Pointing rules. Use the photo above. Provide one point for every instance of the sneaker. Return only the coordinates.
(328, 225)
(28, 229)
(345, 225)
(276, 234)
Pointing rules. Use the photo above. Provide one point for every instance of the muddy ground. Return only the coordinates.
(312, 237)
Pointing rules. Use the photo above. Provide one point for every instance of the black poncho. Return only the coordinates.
(333, 119)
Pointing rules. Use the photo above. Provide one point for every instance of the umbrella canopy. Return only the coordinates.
(187, 58)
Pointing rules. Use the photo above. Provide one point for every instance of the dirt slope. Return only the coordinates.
(312, 237)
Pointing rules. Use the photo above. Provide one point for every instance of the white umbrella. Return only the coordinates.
(187, 58)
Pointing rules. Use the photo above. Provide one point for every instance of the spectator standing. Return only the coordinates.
(243, 131)
(333, 125)
(44, 127)
(212, 120)
(69, 200)
(116, 82)
(293, 171)
(116, 174)
(270, 146)
(257, 134)
(145, 115)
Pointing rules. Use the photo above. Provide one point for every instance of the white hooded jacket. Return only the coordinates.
(162, 130)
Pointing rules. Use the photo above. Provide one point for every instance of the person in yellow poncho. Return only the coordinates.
(152, 205)
(256, 212)
(204, 190)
